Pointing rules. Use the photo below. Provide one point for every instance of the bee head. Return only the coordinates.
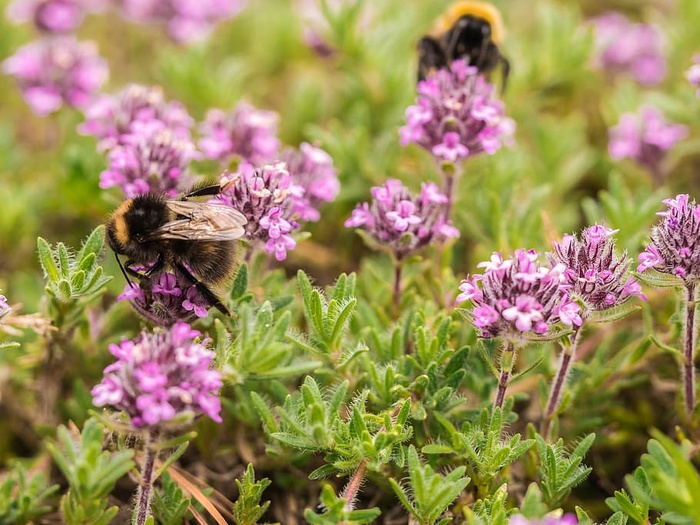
(132, 223)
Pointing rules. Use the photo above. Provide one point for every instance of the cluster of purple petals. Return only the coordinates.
(160, 376)
(566, 519)
(165, 299)
(625, 46)
(245, 132)
(267, 197)
(456, 116)
(153, 162)
(312, 169)
(675, 241)
(55, 71)
(185, 20)
(518, 296)
(147, 140)
(401, 222)
(51, 16)
(596, 275)
(693, 74)
(119, 119)
(644, 138)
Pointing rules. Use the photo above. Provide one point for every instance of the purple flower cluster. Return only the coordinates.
(148, 141)
(186, 20)
(566, 519)
(165, 299)
(401, 222)
(245, 132)
(119, 119)
(693, 74)
(156, 162)
(51, 16)
(55, 71)
(161, 376)
(644, 138)
(624, 46)
(515, 297)
(594, 272)
(268, 198)
(675, 241)
(456, 116)
(312, 169)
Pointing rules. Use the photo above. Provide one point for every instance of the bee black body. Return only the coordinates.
(468, 30)
(195, 239)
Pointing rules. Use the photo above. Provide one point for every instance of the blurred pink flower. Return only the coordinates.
(645, 138)
(186, 20)
(244, 132)
(120, 119)
(622, 45)
(56, 71)
(52, 16)
(693, 74)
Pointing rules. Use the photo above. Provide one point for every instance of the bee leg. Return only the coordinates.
(431, 57)
(505, 71)
(157, 267)
(200, 191)
(202, 288)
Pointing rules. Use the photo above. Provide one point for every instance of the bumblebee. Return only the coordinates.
(197, 239)
(470, 30)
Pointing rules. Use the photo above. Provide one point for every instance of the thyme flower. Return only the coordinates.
(456, 116)
(403, 223)
(160, 376)
(518, 297)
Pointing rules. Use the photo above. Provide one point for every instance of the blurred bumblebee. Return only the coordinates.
(197, 239)
(470, 30)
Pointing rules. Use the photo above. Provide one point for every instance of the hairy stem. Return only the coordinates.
(397, 288)
(349, 494)
(567, 359)
(506, 364)
(688, 369)
(145, 491)
(448, 190)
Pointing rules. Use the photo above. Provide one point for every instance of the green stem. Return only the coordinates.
(688, 369)
(398, 265)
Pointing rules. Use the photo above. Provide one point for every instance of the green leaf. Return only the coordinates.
(92, 245)
(47, 261)
(615, 313)
(240, 282)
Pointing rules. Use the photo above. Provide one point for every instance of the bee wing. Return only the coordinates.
(202, 221)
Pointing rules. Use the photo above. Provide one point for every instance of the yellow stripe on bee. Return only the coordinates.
(120, 230)
(470, 7)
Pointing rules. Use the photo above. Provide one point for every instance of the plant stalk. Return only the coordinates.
(145, 491)
(567, 359)
(688, 369)
(508, 356)
(353, 487)
(396, 302)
